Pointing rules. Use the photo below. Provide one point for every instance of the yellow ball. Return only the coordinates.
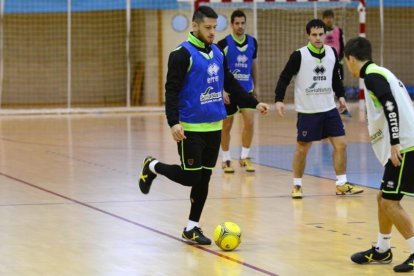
(227, 236)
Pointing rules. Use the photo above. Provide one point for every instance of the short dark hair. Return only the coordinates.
(237, 13)
(315, 23)
(202, 12)
(358, 47)
(328, 13)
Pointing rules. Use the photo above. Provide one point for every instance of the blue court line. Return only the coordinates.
(363, 168)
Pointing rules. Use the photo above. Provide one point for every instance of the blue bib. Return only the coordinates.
(201, 98)
(240, 62)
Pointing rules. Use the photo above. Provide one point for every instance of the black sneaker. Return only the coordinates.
(372, 256)
(195, 235)
(406, 266)
(146, 176)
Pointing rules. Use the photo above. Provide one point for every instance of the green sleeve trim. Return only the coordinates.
(190, 64)
(202, 127)
(374, 99)
(407, 150)
(178, 48)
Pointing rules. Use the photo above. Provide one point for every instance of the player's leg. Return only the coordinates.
(192, 232)
(298, 165)
(399, 217)
(333, 128)
(231, 110)
(403, 179)
(339, 154)
(199, 191)
(390, 212)
(225, 144)
(247, 137)
(308, 130)
(395, 182)
(404, 225)
(188, 173)
(381, 252)
(299, 158)
(384, 223)
(399, 180)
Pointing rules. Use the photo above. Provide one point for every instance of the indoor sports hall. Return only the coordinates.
(82, 104)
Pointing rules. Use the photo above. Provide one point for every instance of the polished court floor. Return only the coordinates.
(70, 204)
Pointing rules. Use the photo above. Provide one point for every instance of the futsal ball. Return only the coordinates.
(227, 236)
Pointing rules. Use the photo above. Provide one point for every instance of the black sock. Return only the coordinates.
(198, 195)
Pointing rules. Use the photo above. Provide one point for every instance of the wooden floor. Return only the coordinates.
(70, 205)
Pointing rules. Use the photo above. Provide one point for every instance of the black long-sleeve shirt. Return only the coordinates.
(292, 68)
(178, 64)
(378, 85)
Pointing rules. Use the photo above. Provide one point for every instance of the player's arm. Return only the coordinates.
(239, 95)
(337, 84)
(291, 68)
(178, 63)
(378, 85)
(341, 45)
(255, 71)
(223, 45)
(237, 92)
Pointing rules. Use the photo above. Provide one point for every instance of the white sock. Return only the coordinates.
(191, 224)
(244, 153)
(226, 155)
(297, 181)
(384, 242)
(411, 244)
(152, 166)
(341, 179)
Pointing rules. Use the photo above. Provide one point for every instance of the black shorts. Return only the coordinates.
(199, 150)
(233, 108)
(399, 181)
(318, 126)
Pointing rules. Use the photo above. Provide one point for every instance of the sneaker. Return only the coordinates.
(146, 176)
(348, 189)
(372, 256)
(346, 112)
(406, 266)
(247, 163)
(227, 167)
(297, 191)
(195, 236)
